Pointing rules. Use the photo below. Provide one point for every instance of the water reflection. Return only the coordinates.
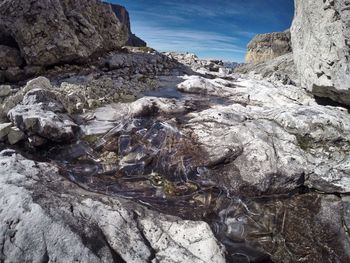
(152, 162)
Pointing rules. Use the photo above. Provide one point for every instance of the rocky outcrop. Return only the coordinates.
(262, 163)
(209, 68)
(268, 46)
(41, 113)
(281, 69)
(274, 135)
(130, 74)
(59, 31)
(227, 138)
(123, 16)
(321, 45)
(270, 137)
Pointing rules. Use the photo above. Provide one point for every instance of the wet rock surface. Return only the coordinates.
(261, 163)
(47, 217)
(142, 156)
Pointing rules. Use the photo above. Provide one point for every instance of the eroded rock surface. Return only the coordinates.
(72, 31)
(261, 162)
(320, 38)
(265, 47)
(281, 69)
(279, 133)
(9, 57)
(41, 113)
(123, 16)
(46, 218)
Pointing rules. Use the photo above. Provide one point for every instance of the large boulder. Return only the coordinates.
(124, 18)
(265, 47)
(41, 113)
(321, 45)
(59, 31)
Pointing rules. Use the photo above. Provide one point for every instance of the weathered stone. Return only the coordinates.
(4, 130)
(5, 90)
(35, 120)
(15, 135)
(14, 74)
(12, 101)
(265, 47)
(37, 141)
(273, 137)
(72, 31)
(281, 69)
(10, 57)
(45, 216)
(173, 239)
(123, 16)
(321, 46)
(30, 71)
(42, 114)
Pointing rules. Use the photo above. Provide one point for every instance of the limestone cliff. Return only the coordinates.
(321, 45)
(124, 18)
(265, 47)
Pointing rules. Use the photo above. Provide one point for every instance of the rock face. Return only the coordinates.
(268, 46)
(9, 57)
(123, 16)
(321, 45)
(59, 31)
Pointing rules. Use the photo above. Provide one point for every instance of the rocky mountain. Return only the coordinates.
(321, 45)
(265, 47)
(141, 156)
(123, 16)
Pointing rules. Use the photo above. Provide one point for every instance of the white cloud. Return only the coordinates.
(177, 39)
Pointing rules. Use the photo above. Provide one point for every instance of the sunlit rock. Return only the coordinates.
(265, 47)
(320, 38)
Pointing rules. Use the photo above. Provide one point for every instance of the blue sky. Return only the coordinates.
(211, 29)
